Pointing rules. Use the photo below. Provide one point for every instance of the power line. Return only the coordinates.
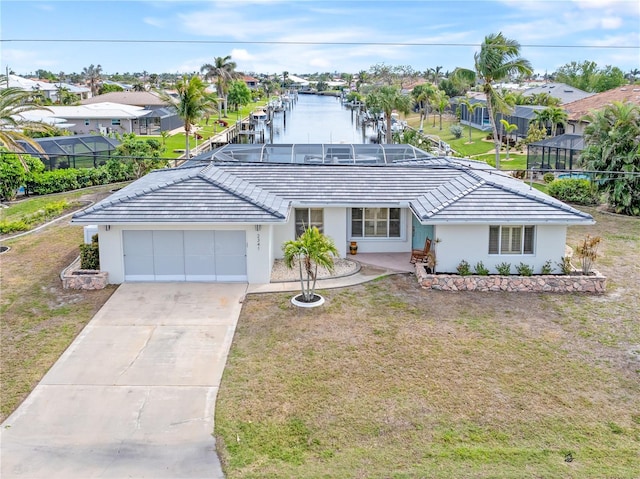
(277, 42)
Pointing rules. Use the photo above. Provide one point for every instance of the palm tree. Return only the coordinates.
(192, 103)
(442, 102)
(363, 77)
(471, 109)
(92, 77)
(508, 128)
(387, 99)
(310, 250)
(423, 95)
(223, 70)
(13, 102)
(557, 116)
(498, 59)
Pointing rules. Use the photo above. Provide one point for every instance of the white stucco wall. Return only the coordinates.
(337, 227)
(471, 243)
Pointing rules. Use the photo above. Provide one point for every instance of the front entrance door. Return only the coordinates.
(420, 233)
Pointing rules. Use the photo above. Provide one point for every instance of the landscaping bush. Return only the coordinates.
(481, 269)
(548, 177)
(547, 267)
(90, 254)
(464, 269)
(53, 181)
(573, 190)
(456, 130)
(565, 265)
(504, 268)
(524, 269)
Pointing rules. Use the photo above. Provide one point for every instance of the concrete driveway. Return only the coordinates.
(134, 394)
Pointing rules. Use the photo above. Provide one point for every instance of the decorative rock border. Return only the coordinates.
(85, 279)
(552, 283)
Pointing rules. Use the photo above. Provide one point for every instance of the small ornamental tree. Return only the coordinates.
(310, 250)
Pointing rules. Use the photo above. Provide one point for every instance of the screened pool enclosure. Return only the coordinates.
(557, 153)
(78, 151)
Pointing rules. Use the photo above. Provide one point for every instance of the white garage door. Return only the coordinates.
(185, 256)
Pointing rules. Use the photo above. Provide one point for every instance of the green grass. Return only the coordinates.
(38, 318)
(175, 144)
(389, 380)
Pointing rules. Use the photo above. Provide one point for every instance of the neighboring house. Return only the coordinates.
(521, 115)
(145, 99)
(251, 82)
(162, 117)
(48, 90)
(220, 220)
(563, 92)
(107, 118)
(578, 109)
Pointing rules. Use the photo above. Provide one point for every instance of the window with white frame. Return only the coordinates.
(115, 122)
(308, 217)
(511, 239)
(375, 223)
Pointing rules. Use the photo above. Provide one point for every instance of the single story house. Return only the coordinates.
(106, 118)
(521, 116)
(220, 219)
(47, 89)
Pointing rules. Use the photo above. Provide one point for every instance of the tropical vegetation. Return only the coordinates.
(224, 72)
(386, 99)
(498, 59)
(612, 147)
(310, 250)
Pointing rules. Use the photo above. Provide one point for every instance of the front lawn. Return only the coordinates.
(388, 380)
(38, 318)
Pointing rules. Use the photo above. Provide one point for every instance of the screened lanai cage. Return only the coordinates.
(322, 153)
(557, 153)
(78, 151)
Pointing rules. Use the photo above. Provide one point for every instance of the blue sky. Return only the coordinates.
(183, 35)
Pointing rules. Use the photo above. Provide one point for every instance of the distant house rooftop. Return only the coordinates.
(578, 109)
(134, 98)
(565, 93)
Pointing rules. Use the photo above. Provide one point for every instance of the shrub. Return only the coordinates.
(13, 226)
(546, 267)
(464, 269)
(480, 269)
(90, 254)
(54, 181)
(12, 175)
(456, 130)
(524, 269)
(587, 252)
(504, 268)
(565, 265)
(519, 174)
(574, 190)
(548, 177)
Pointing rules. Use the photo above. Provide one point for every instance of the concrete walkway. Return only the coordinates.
(134, 394)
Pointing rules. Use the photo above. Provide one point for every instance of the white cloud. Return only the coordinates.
(240, 54)
(611, 23)
(154, 22)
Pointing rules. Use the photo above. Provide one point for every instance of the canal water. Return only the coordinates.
(318, 119)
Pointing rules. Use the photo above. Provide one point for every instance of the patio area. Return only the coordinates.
(398, 262)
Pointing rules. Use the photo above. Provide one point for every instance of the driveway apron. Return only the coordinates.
(134, 394)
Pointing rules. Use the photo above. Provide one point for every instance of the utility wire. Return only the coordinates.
(276, 42)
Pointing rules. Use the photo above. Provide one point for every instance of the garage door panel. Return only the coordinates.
(199, 259)
(191, 255)
(138, 255)
(231, 260)
(168, 255)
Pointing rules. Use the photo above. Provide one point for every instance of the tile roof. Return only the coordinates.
(135, 98)
(265, 192)
(578, 109)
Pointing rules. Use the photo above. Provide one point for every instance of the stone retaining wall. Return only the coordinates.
(552, 283)
(85, 279)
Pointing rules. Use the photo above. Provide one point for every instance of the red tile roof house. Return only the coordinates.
(579, 108)
(225, 215)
